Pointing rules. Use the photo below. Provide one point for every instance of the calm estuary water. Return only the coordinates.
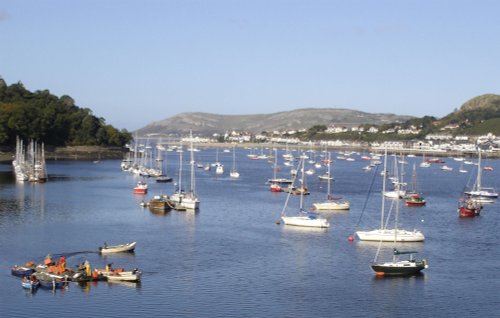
(231, 259)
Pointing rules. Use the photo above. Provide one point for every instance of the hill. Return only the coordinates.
(207, 124)
(50, 119)
(477, 116)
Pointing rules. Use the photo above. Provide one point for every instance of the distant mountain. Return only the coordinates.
(207, 124)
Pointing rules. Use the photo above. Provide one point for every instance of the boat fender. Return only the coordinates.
(350, 238)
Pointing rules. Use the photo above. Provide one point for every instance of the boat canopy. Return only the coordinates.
(397, 252)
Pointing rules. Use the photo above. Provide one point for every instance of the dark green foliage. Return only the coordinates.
(55, 121)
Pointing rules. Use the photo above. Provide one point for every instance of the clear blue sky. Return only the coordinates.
(135, 62)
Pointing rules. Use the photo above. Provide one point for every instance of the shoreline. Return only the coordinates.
(103, 153)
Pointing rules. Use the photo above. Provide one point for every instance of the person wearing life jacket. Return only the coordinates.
(48, 260)
(62, 263)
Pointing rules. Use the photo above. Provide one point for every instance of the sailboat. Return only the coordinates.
(397, 193)
(398, 267)
(331, 203)
(161, 178)
(383, 234)
(413, 198)
(190, 200)
(219, 167)
(424, 163)
(276, 184)
(478, 190)
(178, 194)
(303, 219)
(234, 173)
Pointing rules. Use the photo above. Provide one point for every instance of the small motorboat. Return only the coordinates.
(130, 276)
(129, 247)
(21, 270)
(49, 281)
(30, 282)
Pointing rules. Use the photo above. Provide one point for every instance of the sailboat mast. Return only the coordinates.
(478, 182)
(383, 191)
(192, 162)
(275, 163)
(329, 177)
(302, 190)
(180, 169)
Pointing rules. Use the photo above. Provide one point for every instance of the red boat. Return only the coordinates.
(415, 199)
(141, 188)
(488, 168)
(469, 208)
(275, 187)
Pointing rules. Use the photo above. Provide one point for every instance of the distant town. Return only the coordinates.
(445, 142)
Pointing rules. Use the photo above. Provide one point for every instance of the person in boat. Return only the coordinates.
(62, 263)
(48, 260)
(106, 244)
(87, 267)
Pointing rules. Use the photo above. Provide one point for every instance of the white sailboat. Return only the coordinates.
(234, 172)
(397, 267)
(190, 200)
(219, 167)
(478, 190)
(398, 192)
(385, 234)
(330, 203)
(303, 219)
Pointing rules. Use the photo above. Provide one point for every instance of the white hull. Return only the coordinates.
(118, 248)
(234, 174)
(305, 221)
(332, 205)
(389, 236)
(395, 194)
(190, 204)
(125, 276)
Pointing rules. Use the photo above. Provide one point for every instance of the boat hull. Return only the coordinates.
(468, 213)
(401, 268)
(129, 247)
(329, 206)
(305, 221)
(388, 235)
(21, 271)
(415, 202)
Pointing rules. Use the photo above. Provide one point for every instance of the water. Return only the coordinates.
(230, 259)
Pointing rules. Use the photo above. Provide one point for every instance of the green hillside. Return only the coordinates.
(56, 121)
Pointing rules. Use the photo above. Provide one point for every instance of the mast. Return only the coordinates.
(329, 177)
(275, 163)
(478, 181)
(414, 179)
(383, 191)
(302, 190)
(192, 161)
(180, 169)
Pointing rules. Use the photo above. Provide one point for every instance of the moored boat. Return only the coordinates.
(469, 208)
(30, 282)
(141, 188)
(22, 270)
(398, 267)
(414, 199)
(160, 203)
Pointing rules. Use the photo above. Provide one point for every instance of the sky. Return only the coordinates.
(134, 62)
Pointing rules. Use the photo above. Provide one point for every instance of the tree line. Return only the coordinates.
(53, 120)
